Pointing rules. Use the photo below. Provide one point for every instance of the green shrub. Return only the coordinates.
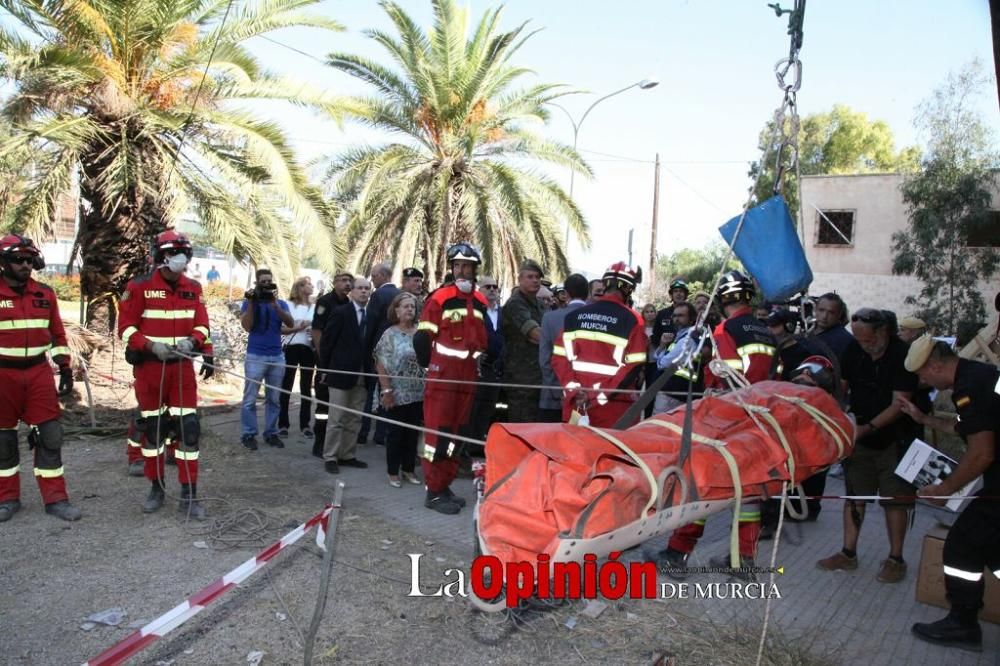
(67, 288)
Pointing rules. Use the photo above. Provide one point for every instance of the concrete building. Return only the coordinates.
(849, 222)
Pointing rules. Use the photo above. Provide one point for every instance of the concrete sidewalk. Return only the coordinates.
(848, 614)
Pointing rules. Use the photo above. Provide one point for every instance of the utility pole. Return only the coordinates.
(630, 233)
(656, 222)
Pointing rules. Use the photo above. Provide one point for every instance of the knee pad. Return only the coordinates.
(152, 426)
(190, 431)
(50, 435)
(8, 445)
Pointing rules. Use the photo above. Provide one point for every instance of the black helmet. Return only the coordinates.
(680, 284)
(735, 286)
(464, 251)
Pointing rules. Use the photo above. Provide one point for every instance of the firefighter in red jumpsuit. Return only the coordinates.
(163, 321)
(133, 448)
(744, 344)
(450, 338)
(602, 346)
(30, 326)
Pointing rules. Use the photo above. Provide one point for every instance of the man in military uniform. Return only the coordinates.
(521, 327)
(343, 282)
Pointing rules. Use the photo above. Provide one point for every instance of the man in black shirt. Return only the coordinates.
(973, 542)
(664, 322)
(873, 369)
(343, 282)
(831, 318)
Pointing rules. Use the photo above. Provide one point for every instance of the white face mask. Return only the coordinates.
(177, 263)
(464, 286)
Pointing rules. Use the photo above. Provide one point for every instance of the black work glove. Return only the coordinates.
(207, 367)
(65, 380)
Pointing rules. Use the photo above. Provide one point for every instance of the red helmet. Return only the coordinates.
(621, 274)
(820, 369)
(13, 244)
(170, 240)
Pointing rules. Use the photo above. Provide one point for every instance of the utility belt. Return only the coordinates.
(22, 363)
(136, 357)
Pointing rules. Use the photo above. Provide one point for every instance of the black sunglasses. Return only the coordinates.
(871, 318)
(20, 260)
(487, 286)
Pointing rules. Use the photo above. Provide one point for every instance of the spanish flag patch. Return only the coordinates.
(963, 401)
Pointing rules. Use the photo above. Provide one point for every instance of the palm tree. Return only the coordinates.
(139, 102)
(462, 167)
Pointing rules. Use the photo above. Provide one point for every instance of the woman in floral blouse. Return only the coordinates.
(401, 383)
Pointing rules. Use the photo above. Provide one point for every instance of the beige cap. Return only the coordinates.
(920, 351)
(912, 323)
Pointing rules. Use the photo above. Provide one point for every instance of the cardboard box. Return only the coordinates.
(930, 579)
(924, 465)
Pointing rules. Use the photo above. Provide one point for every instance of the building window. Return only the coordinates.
(835, 227)
(986, 235)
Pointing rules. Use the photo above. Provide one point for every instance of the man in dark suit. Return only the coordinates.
(346, 345)
(378, 307)
(550, 403)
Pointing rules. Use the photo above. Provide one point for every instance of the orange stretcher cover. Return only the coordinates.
(545, 482)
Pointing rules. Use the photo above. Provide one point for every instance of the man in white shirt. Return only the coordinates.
(490, 363)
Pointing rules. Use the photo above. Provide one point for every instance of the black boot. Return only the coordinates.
(959, 629)
(441, 503)
(189, 504)
(154, 500)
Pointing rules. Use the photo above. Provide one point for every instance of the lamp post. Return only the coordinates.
(645, 84)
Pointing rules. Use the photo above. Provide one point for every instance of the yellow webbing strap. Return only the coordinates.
(734, 472)
(824, 421)
(654, 489)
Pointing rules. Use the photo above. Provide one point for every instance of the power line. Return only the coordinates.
(292, 48)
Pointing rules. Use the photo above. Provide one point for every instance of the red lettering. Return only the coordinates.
(642, 580)
(613, 570)
(543, 576)
(566, 577)
(520, 582)
(487, 577)
(590, 576)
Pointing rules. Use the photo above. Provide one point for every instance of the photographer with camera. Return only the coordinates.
(262, 316)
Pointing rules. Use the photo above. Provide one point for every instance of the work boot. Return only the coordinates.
(460, 501)
(743, 572)
(673, 563)
(441, 503)
(189, 505)
(951, 631)
(154, 500)
(64, 510)
(137, 468)
(8, 509)
(839, 561)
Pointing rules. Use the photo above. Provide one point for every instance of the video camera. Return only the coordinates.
(263, 293)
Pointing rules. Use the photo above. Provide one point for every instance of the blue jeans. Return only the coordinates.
(256, 367)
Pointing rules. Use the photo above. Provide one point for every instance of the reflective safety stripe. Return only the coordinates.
(134, 444)
(684, 374)
(749, 516)
(429, 452)
(734, 363)
(558, 351)
(59, 351)
(322, 417)
(427, 326)
(448, 351)
(152, 453)
(602, 399)
(168, 314)
(455, 314)
(49, 473)
(19, 324)
(9, 472)
(597, 336)
(166, 340)
(129, 332)
(203, 330)
(996, 389)
(186, 455)
(182, 411)
(997, 573)
(964, 575)
(595, 368)
(477, 354)
(477, 313)
(635, 358)
(151, 412)
(756, 348)
(23, 352)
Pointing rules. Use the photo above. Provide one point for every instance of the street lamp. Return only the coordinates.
(645, 84)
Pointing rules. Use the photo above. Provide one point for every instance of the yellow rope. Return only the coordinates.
(655, 490)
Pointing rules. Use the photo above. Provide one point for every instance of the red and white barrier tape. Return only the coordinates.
(197, 602)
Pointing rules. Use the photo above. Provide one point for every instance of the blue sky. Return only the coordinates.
(714, 59)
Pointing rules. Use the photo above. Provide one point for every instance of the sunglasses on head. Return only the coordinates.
(869, 318)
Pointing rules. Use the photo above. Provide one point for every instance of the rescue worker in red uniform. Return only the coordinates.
(450, 338)
(744, 344)
(134, 438)
(602, 346)
(160, 315)
(30, 326)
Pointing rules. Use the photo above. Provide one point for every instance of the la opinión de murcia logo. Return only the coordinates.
(490, 578)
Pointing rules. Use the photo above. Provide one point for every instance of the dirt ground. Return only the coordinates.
(54, 575)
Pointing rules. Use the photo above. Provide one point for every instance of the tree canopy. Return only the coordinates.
(142, 102)
(462, 165)
(839, 141)
(948, 200)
